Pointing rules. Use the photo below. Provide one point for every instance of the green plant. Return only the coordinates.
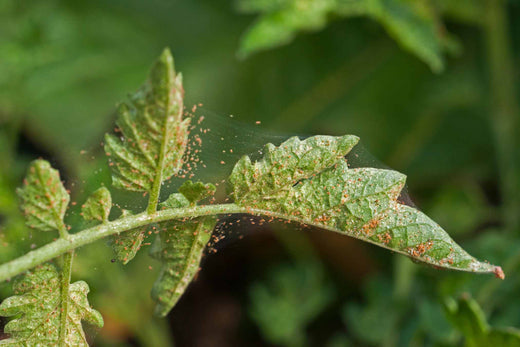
(466, 316)
(303, 181)
(416, 25)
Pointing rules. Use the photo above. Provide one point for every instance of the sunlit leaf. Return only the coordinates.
(37, 306)
(313, 185)
(153, 132)
(283, 166)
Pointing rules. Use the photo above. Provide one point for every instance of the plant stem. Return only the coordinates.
(87, 236)
(65, 283)
(504, 109)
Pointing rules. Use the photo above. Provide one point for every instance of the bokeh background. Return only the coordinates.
(430, 86)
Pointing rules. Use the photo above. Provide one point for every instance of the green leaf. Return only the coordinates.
(310, 182)
(37, 307)
(290, 299)
(285, 165)
(179, 246)
(175, 200)
(466, 316)
(126, 245)
(380, 311)
(196, 191)
(281, 22)
(43, 198)
(98, 205)
(154, 133)
(415, 25)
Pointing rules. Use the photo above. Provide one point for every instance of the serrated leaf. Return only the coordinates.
(415, 25)
(175, 200)
(196, 191)
(38, 301)
(466, 316)
(43, 197)
(154, 133)
(179, 246)
(127, 244)
(98, 205)
(285, 165)
(321, 190)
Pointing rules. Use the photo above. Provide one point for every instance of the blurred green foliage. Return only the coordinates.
(467, 316)
(64, 64)
(289, 300)
(416, 25)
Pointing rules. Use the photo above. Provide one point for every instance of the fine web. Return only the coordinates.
(217, 142)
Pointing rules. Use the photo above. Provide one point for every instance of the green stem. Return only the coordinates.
(87, 236)
(65, 283)
(504, 108)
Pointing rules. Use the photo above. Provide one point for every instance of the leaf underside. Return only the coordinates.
(37, 308)
(127, 244)
(154, 134)
(179, 246)
(43, 198)
(415, 25)
(98, 205)
(296, 182)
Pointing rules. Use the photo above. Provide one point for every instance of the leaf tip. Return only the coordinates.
(166, 56)
(499, 273)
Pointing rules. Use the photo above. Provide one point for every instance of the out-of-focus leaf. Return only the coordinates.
(288, 301)
(309, 182)
(175, 200)
(43, 197)
(466, 316)
(378, 321)
(471, 11)
(154, 131)
(57, 55)
(281, 22)
(98, 205)
(196, 191)
(415, 25)
(38, 301)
